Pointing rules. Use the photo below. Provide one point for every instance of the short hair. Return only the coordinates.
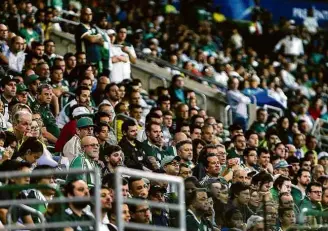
(79, 90)
(248, 150)
(312, 184)
(234, 127)
(36, 179)
(260, 110)
(128, 123)
(249, 133)
(32, 144)
(234, 139)
(17, 116)
(110, 149)
(193, 180)
(261, 151)
(99, 115)
(109, 86)
(69, 187)
(205, 161)
(282, 211)
(36, 44)
(236, 188)
(292, 159)
(99, 126)
(193, 195)
(280, 181)
(149, 125)
(42, 87)
(181, 143)
(168, 113)
(134, 106)
(300, 172)
(252, 221)
(192, 128)
(163, 98)
(68, 55)
(133, 179)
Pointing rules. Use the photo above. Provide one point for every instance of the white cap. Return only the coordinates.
(80, 111)
(111, 31)
(322, 155)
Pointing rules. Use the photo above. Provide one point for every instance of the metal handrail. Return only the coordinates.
(157, 77)
(279, 110)
(228, 115)
(38, 173)
(26, 208)
(152, 176)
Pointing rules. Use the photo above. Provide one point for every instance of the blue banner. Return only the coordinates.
(290, 9)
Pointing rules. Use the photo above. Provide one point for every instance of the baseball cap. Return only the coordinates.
(111, 31)
(322, 155)
(30, 79)
(6, 79)
(169, 159)
(155, 189)
(80, 111)
(84, 122)
(232, 155)
(21, 88)
(281, 164)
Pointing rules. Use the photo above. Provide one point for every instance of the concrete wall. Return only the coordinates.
(153, 76)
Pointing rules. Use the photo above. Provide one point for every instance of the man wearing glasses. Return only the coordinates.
(311, 204)
(87, 160)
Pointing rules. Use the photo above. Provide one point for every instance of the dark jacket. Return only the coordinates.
(134, 155)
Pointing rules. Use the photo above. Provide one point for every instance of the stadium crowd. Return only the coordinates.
(85, 110)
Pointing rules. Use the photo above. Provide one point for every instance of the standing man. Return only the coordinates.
(15, 55)
(87, 38)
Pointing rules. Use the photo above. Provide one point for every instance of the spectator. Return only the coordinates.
(15, 55)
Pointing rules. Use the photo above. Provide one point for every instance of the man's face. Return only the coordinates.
(33, 87)
(44, 71)
(215, 190)
(253, 141)
(135, 98)
(251, 159)
(50, 48)
(142, 214)
(185, 172)
(139, 189)
(71, 62)
(305, 178)
(132, 132)
(45, 96)
(165, 105)
(126, 213)
(103, 134)
(264, 159)
(315, 194)
(262, 116)
(57, 75)
(3, 32)
(185, 130)
(172, 168)
(91, 147)
(320, 171)
(84, 98)
(125, 190)
(185, 152)
(10, 89)
(201, 202)
(288, 219)
(306, 165)
(136, 113)
(287, 201)
(81, 59)
(22, 97)
(196, 134)
(114, 93)
(86, 16)
(24, 124)
(208, 134)
(286, 187)
(312, 144)
(199, 121)
(295, 167)
(283, 171)
(240, 143)
(184, 112)
(18, 45)
(115, 159)
(299, 141)
(61, 64)
(23, 180)
(222, 155)
(122, 34)
(80, 190)
(39, 51)
(87, 83)
(241, 176)
(154, 135)
(106, 199)
(243, 197)
(213, 168)
(280, 151)
(85, 131)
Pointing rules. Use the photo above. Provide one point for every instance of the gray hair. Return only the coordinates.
(253, 221)
(17, 116)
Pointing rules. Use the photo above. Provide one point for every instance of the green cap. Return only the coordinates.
(21, 88)
(84, 122)
(232, 155)
(169, 159)
(30, 79)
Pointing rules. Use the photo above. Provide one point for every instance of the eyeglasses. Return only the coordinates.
(92, 145)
